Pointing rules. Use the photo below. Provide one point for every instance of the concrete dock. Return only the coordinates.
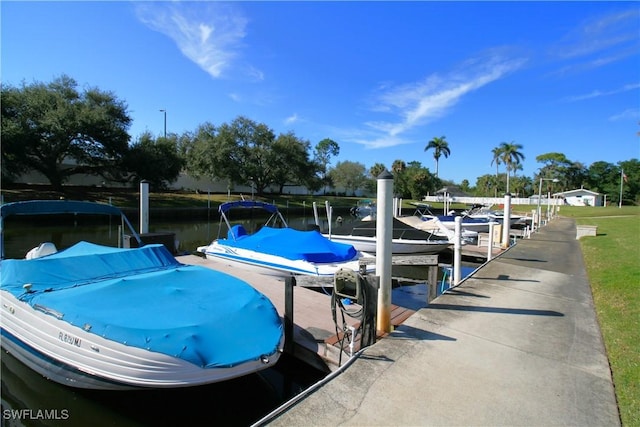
(517, 343)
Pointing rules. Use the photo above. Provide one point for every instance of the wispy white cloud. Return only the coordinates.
(381, 141)
(418, 103)
(208, 33)
(628, 114)
(255, 74)
(291, 119)
(607, 39)
(599, 93)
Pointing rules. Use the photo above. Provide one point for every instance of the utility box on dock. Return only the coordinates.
(586, 230)
(430, 261)
(167, 239)
(483, 240)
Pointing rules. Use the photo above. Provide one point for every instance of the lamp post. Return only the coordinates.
(165, 122)
(539, 212)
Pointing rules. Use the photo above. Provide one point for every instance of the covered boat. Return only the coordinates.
(98, 317)
(280, 251)
(405, 238)
(479, 225)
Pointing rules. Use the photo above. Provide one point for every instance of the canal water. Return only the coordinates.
(28, 399)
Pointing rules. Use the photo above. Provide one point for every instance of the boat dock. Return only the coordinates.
(316, 340)
(516, 343)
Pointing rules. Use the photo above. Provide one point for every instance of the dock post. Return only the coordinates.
(368, 327)
(506, 224)
(432, 279)
(315, 214)
(490, 244)
(289, 283)
(457, 251)
(144, 206)
(327, 207)
(384, 233)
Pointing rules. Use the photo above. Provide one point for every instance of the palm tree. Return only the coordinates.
(398, 166)
(440, 148)
(517, 167)
(399, 181)
(497, 152)
(511, 156)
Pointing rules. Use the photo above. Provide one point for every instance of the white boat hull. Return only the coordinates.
(398, 246)
(277, 266)
(72, 356)
(500, 219)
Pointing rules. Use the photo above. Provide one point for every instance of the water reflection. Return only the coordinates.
(21, 236)
(31, 400)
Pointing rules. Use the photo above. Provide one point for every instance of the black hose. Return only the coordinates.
(361, 314)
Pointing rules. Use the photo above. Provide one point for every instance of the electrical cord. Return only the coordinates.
(360, 314)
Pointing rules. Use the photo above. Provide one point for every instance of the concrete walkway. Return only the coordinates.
(516, 344)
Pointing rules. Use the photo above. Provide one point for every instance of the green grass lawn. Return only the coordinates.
(130, 198)
(613, 267)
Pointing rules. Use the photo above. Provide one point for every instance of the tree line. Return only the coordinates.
(57, 130)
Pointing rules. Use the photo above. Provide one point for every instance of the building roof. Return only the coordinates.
(576, 192)
(452, 190)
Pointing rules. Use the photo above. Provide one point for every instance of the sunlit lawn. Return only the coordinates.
(613, 267)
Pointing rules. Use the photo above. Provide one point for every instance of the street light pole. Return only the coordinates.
(538, 209)
(165, 122)
(539, 212)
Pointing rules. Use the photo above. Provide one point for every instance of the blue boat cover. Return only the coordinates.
(294, 244)
(465, 219)
(144, 297)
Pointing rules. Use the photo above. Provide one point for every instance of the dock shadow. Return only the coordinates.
(525, 259)
(379, 358)
(410, 332)
(459, 292)
(315, 334)
(505, 277)
(499, 310)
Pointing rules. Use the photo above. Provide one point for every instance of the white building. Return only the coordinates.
(580, 197)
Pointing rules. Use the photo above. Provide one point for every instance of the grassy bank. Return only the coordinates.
(613, 267)
(130, 198)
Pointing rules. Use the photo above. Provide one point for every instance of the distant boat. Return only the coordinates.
(405, 238)
(99, 317)
(439, 229)
(485, 212)
(283, 251)
(365, 209)
(479, 225)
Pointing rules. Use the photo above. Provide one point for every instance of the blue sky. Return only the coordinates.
(380, 78)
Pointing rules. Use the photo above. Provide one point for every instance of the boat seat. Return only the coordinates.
(236, 232)
(43, 249)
